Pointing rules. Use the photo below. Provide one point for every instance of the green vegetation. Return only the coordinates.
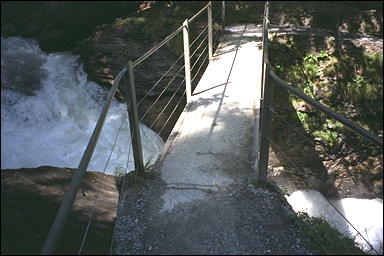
(324, 238)
(349, 82)
(133, 178)
(168, 17)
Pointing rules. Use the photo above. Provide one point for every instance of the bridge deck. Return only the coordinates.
(210, 144)
(199, 204)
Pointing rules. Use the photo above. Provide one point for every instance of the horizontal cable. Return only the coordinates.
(292, 126)
(98, 192)
(206, 56)
(165, 40)
(169, 101)
(198, 13)
(177, 105)
(155, 48)
(303, 135)
(158, 81)
(197, 48)
(360, 130)
(166, 87)
(198, 58)
(298, 168)
(198, 36)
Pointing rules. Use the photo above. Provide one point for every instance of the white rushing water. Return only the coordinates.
(49, 110)
(366, 215)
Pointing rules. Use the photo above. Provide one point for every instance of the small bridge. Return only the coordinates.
(199, 201)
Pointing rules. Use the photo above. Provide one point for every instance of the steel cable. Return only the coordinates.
(166, 122)
(198, 58)
(158, 81)
(120, 198)
(202, 41)
(198, 36)
(97, 193)
(206, 56)
(166, 87)
(169, 101)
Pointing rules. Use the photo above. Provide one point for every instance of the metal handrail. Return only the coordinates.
(66, 206)
(356, 128)
(155, 48)
(198, 13)
(266, 93)
(167, 39)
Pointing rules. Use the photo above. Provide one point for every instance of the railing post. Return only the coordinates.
(187, 64)
(265, 102)
(210, 30)
(223, 15)
(77, 179)
(265, 128)
(134, 123)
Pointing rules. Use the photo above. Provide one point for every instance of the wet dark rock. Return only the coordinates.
(59, 25)
(110, 47)
(30, 198)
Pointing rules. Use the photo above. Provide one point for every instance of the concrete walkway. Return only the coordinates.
(201, 203)
(210, 146)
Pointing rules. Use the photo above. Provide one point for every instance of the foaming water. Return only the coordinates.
(49, 110)
(366, 215)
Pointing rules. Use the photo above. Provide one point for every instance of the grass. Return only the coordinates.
(350, 78)
(324, 238)
(133, 178)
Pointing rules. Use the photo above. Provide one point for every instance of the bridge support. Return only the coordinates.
(134, 123)
(265, 102)
(223, 15)
(265, 126)
(210, 31)
(187, 64)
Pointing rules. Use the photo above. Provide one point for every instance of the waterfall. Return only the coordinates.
(49, 110)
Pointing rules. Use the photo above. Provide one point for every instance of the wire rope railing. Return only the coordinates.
(269, 113)
(158, 81)
(133, 114)
(97, 193)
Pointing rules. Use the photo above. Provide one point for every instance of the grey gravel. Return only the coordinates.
(240, 219)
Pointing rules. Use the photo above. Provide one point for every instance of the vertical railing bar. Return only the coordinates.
(265, 99)
(187, 64)
(134, 123)
(265, 128)
(223, 15)
(210, 30)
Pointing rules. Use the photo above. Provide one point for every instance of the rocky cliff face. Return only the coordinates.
(59, 25)
(109, 48)
(31, 197)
